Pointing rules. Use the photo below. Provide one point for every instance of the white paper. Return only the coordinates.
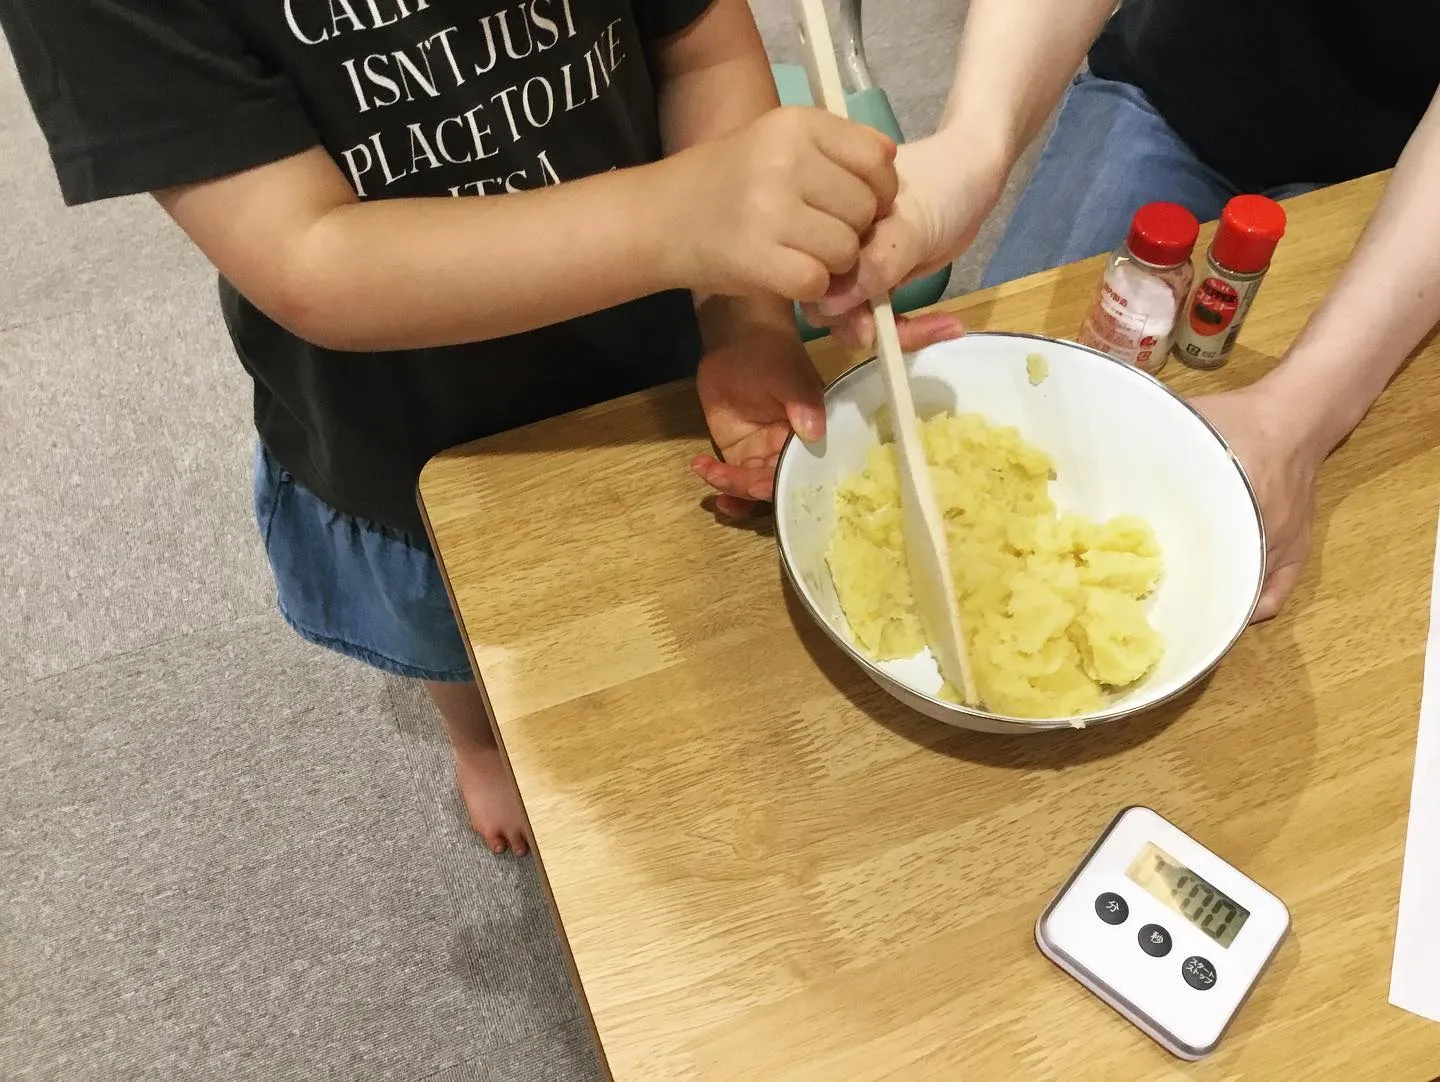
(1415, 974)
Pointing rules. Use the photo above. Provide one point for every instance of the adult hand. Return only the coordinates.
(756, 387)
(1282, 464)
(938, 210)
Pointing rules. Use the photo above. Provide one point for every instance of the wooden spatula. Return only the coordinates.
(927, 552)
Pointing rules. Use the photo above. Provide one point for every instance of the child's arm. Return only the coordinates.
(407, 273)
(756, 382)
(173, 98)
(714, 79)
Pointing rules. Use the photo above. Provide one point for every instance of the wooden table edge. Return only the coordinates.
(571, 967)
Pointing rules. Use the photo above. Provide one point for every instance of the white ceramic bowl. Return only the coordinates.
(1122, 443)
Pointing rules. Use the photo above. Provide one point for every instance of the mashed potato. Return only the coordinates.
(1036, 368)
(1053, 603)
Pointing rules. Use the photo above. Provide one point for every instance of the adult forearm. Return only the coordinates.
(1384, 302)
(1014, 61)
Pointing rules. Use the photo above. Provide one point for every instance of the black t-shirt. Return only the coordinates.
(1272, 92)
(410, 98)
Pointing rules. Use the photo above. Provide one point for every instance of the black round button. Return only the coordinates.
(1198, 972)
(1111, 908)
(1155, 941)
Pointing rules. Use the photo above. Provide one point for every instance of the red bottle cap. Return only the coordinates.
(1162, 234)
(1250, 228)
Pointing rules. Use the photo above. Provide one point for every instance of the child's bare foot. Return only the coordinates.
(493, 804)
(490, 798)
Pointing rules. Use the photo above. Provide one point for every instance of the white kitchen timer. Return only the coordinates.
(1163, 930)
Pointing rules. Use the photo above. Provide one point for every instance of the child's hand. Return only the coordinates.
(780, 206)
(756, 385)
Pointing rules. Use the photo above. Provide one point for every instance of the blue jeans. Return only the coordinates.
(353, 586)
(1109, 154)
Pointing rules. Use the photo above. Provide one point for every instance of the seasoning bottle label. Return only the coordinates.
(1213, 319)
(1114, 328)
(1213, 309)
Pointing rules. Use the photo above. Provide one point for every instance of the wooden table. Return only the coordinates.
(764, 868)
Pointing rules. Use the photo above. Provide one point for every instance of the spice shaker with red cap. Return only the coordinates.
(1239, 256)
(1134, 313)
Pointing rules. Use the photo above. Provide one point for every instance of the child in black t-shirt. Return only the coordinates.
(637, 206)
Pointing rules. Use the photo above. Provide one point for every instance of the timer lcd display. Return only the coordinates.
(1203, 905)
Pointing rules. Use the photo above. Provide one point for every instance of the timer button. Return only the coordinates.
(1111, 908)
(1155, 941)
(1198, 973)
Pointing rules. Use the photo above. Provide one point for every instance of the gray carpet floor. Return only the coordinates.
(225, 854)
